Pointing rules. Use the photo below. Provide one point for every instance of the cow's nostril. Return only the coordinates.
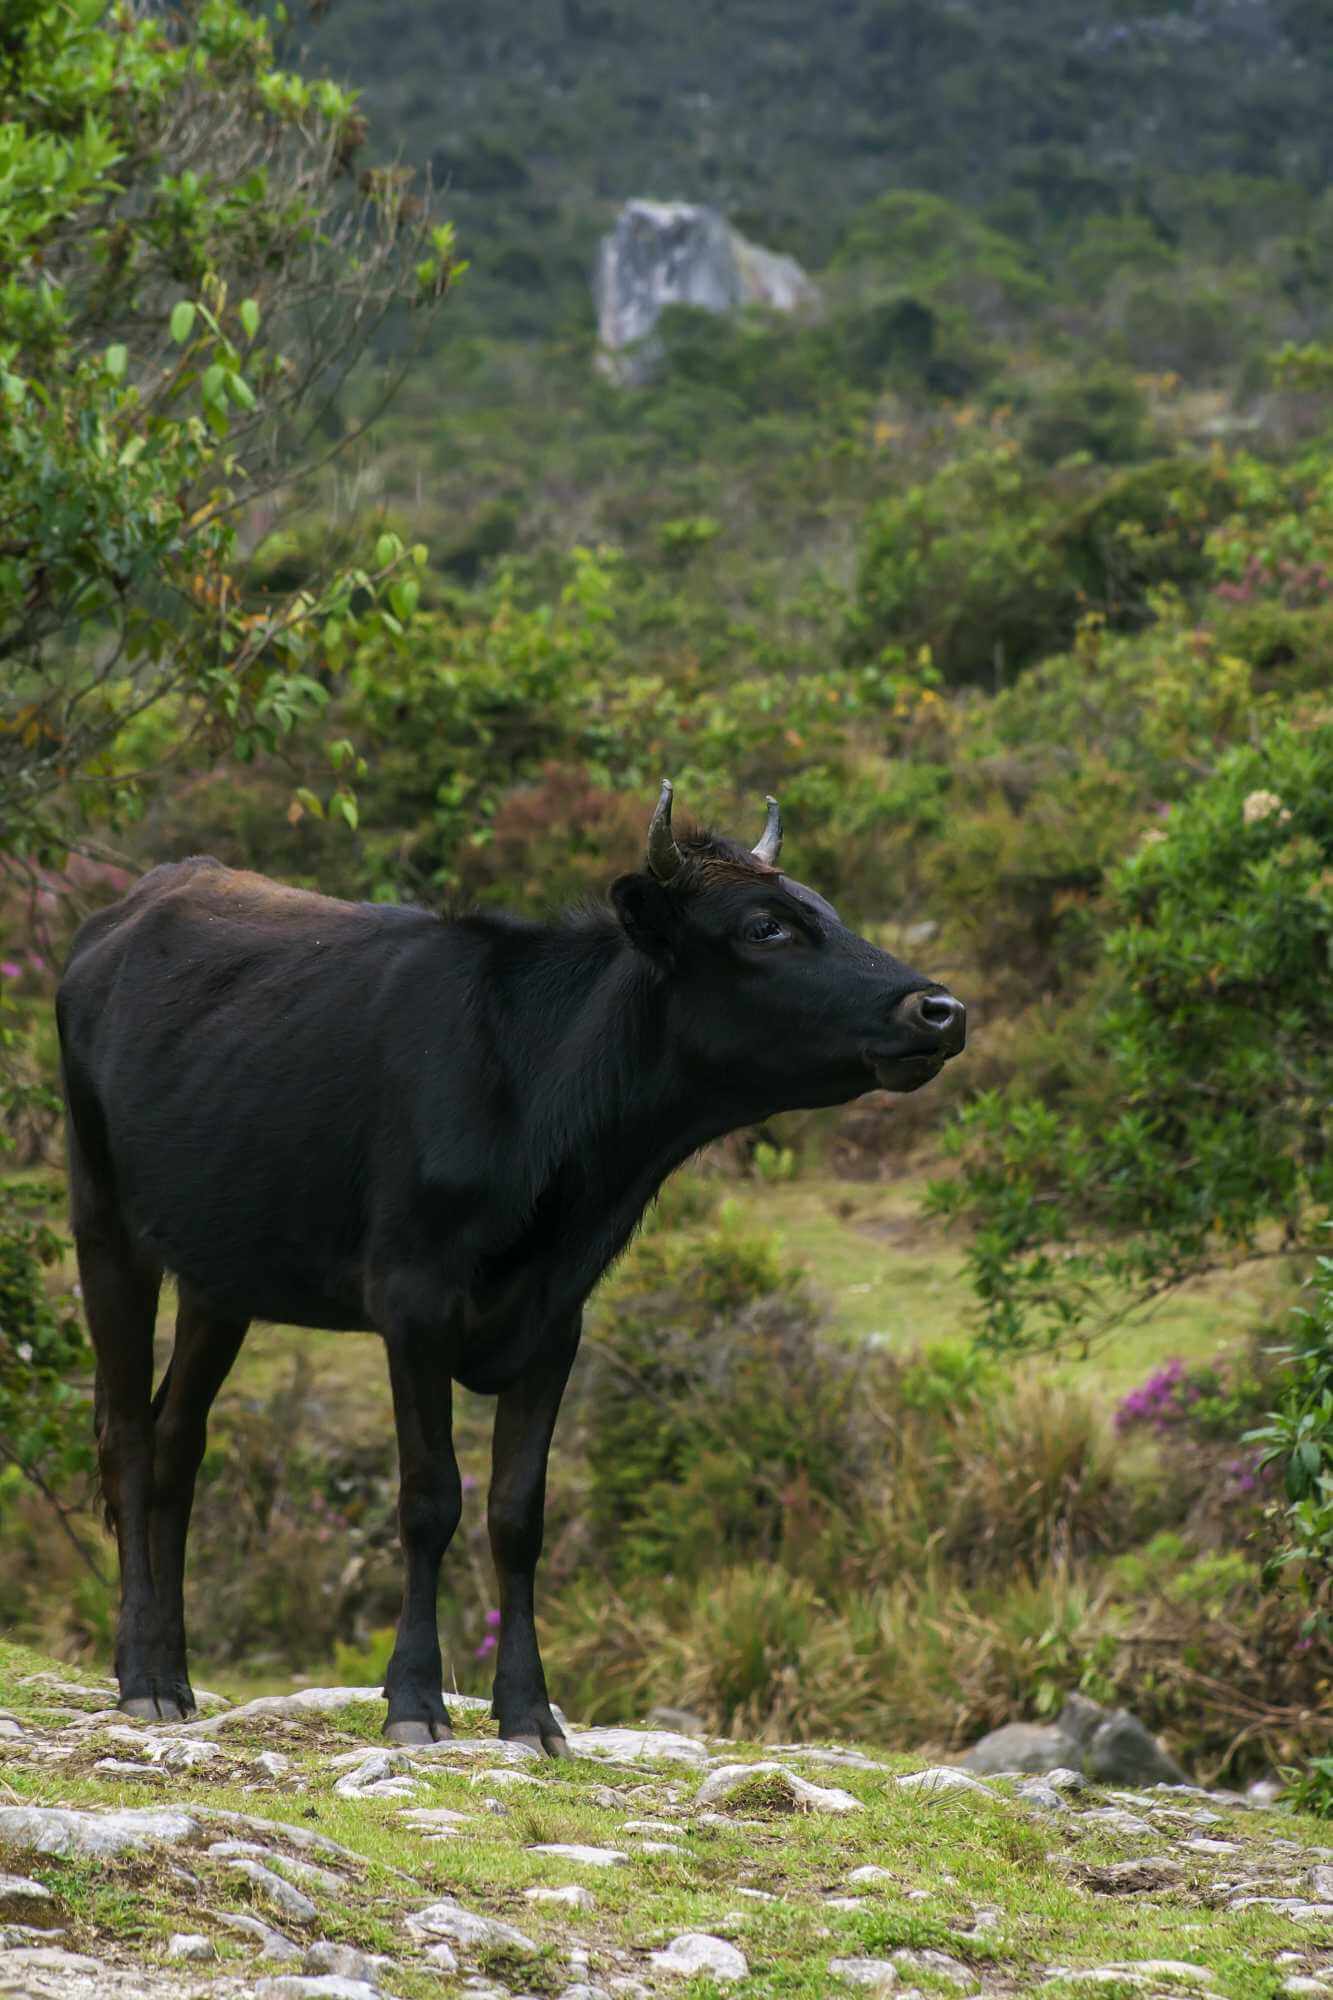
(940, 1010)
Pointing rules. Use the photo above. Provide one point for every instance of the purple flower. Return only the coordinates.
(1160, 1401)
(488, 1645)
(10, 970)
(493, 1619)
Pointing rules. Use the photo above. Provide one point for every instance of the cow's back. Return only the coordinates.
(224, 1043)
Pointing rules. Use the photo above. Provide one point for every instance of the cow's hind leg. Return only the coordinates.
(207, 1343)
(430, 1503)
(524, 1422)
(121, 1283)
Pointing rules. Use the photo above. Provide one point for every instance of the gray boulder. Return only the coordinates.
(1111, 1747)
(1121, 1752)
(665, 253)
(1031, 1747)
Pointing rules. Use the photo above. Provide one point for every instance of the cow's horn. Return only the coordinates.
(770, 840)
(664, 857)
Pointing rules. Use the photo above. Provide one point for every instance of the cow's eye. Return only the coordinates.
(765, 930)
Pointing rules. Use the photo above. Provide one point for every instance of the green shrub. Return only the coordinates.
(966, 563)
(1148, 527)
(1214, 1035)
(1100, 413)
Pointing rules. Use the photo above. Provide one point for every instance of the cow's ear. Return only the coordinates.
(646, 913)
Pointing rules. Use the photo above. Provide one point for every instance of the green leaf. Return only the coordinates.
(403, 595)
(240, 390)
(117, 360)
(387, 550)
(249, 313)
(182, 320)
(212, 387)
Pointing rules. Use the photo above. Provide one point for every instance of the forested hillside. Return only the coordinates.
(539, 118)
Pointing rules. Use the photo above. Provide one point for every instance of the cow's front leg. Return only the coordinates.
(430, 1501)
(524, 1420)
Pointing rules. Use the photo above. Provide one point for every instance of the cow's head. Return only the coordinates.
(769, 987)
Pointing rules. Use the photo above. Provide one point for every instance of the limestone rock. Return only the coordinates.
(304, 1871)
(93, 1835)
(1288, 1906)
(1127, 1878)
(1062, 1780)
(637, 1746)
(941, 1778)
(663, 253)
(190, 1945)
(438, 1822)
(23, 1901)
(695, 1952)
(1121, 1752)
(801, 1795)
(877, 1972)
(940, 1965)
(376, 1774)
(1044, 1797)
(272, 1944)
(302, 1837)
(570, 1894)
(815, 1753)
(449, 1920)
(869, 1872)
(1136, 1972)
(1110, 1747)
(322, 1986)
(304, 1703)
(274, 1889)
(1029, 1747)
(345, 1962)
(586, 1857)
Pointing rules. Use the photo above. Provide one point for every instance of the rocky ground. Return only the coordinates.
(277, 1849)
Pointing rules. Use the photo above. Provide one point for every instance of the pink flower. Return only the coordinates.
(10, 970)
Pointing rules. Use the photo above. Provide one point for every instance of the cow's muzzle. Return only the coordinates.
(928, 1028)
(937, 1018)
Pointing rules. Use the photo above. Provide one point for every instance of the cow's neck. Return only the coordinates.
(610, 1108)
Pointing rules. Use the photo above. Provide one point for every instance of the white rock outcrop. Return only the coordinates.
(696, 1952)
(800, 1794)
(669, 253)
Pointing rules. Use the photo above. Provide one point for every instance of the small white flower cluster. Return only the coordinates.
(1264, 805)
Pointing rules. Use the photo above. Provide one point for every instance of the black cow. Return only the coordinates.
(351, 1115)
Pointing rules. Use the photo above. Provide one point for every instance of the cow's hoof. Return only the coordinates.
(417, 1735)
(550, 1745)
(155, 1708)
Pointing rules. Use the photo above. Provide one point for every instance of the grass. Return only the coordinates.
(947, 1858)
